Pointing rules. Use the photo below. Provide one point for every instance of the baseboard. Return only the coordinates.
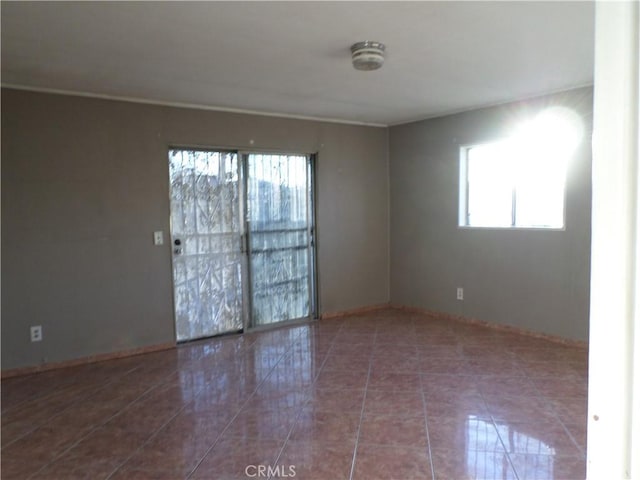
(493, 326)
(354, 311)
(17, 372)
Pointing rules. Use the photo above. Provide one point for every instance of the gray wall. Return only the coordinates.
(85, 183)
(537, 280)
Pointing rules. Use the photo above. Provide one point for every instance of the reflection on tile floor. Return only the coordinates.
(383, 395)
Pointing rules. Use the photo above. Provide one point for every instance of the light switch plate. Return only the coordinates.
(158, 238)
(36, 333)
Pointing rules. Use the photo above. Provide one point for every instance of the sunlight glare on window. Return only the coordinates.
(546, 145)
(490, 185)
(520, 181)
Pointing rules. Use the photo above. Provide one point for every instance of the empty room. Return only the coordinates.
(320, 240)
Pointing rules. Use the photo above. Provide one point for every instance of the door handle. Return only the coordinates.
(178, 246)
(243, 243)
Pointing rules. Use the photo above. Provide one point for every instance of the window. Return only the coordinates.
(519, 182)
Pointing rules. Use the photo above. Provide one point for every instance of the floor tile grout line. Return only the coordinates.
(426, 426)
(151, 437)
(364, 401)
(467, 358)
(92, 393)
(44, 422)
(299, 413)
(462, 356)
(168, 383)
(508, 452)
(44, 396)
(158, 430)
(221, 434)
(544, 399)
(582, 450)
(162, 427)
(74, 444)
(56, 391)
(36, 397)
(495, 426)
(555, 414)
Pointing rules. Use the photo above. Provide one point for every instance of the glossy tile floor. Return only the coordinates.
(383, 395)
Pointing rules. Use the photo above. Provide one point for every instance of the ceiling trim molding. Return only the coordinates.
(194, 106)
(494, 104)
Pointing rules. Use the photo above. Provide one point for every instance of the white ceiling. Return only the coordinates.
(293, 58)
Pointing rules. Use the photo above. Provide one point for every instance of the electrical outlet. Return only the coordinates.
(158, 238)
(36, 333)
(460, 293)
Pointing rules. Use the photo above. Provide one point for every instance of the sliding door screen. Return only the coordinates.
(280, 227)
(206, 229)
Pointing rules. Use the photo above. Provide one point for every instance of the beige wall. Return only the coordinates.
(532, 279)
(85, 183)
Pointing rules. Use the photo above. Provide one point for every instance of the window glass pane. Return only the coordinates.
(490, 185)
(278, 204)
(540, 193)
(540, 182)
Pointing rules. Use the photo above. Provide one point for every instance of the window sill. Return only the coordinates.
(515, 229)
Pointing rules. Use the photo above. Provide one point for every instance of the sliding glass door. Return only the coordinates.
(280, 226)
(242, 240)
(206, 235)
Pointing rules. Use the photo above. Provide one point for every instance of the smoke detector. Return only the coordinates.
(367, 55)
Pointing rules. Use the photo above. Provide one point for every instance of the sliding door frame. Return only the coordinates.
(313, 236)
(243, 158)
(244, 257)
(247, 298)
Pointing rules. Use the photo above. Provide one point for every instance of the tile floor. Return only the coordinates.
(387, 395)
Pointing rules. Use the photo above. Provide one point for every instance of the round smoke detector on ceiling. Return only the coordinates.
(367, 55)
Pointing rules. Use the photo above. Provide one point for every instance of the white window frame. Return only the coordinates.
(463, 205)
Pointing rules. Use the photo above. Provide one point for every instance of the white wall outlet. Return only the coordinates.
(460, 293)
(36, 333)
(158, 238)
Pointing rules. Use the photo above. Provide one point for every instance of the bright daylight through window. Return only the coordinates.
(519, 182)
